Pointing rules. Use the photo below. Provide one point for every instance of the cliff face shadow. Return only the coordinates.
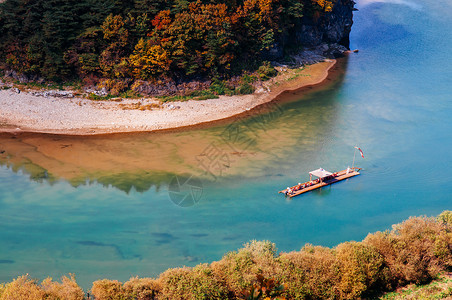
(246, 146)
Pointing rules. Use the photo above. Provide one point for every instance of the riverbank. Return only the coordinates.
(25, 112)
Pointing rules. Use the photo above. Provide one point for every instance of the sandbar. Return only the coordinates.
(24, 112)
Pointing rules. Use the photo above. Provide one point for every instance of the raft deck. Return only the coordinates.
(341, 175)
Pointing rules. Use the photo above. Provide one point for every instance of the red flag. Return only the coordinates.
(360, 151)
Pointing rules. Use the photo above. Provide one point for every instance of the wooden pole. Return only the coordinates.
(354, 154)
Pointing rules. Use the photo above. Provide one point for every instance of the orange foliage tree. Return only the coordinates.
(148, 60)
(112, 58)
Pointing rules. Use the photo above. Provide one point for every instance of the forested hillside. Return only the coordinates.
(145, 39)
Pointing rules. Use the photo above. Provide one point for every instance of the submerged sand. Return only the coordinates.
(24, 112)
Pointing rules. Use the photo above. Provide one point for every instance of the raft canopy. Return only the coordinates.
(320, 173)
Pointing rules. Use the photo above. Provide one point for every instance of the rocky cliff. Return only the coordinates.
(332, 27)
(320, 37)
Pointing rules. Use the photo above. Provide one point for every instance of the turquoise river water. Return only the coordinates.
(111, 206)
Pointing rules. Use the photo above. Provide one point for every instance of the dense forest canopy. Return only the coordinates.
(144, 39)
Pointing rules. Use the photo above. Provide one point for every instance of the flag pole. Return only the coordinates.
(354, 154)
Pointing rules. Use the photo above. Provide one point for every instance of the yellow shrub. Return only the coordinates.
(141, 288)
(415, 241)
(446, 217)
(238, 269)
(107, 290)
(361, 268)
(114, 86)
(22, 288)
(191, 284)
(416, 250)
(310, 273)
(68, 289)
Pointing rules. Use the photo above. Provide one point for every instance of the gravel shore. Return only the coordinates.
(25, 112)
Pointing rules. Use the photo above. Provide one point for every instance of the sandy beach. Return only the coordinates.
(24, 112)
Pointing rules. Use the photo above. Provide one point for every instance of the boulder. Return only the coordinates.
(101, 93)
(54, 93)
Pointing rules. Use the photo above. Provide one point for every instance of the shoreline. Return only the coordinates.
(26, 113)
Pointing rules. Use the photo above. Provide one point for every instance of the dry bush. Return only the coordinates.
(383, 242)
(361, 268)
(416, 250)
(107, 290)
(264, 255)
(114, 86)
(238, 269)
(68, 289)
(22, 288)
(190, 284)
(421, 248)
(311, 273)
(141, 288)
(445, 217)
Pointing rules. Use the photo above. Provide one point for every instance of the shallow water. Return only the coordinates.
(105, 207)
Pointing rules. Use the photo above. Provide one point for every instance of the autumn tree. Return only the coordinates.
(112, 59)
(145, 39)
(149, 60)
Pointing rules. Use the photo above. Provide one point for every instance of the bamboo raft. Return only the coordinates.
(320, 182)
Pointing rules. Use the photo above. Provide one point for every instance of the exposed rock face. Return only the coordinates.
(333, 27)
(23, 78)
(324, 37)
(317, 54)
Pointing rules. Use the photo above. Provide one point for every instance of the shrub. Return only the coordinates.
(22, 288)
(202, 95)
(92, 96)
(264, 288)
(384, 244)
(68, 289)
(221, 88)
(248, 78)
(260, 248)
(361, 269)
(416, 250)
(238, 269)
(114, 86)
(206, 97)
(415, 245)
(141, 288)
(187, 283)
(107, 290)
(245, 89)
(310, 273)
(130, 94)
(446, 217)
(266, 71)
